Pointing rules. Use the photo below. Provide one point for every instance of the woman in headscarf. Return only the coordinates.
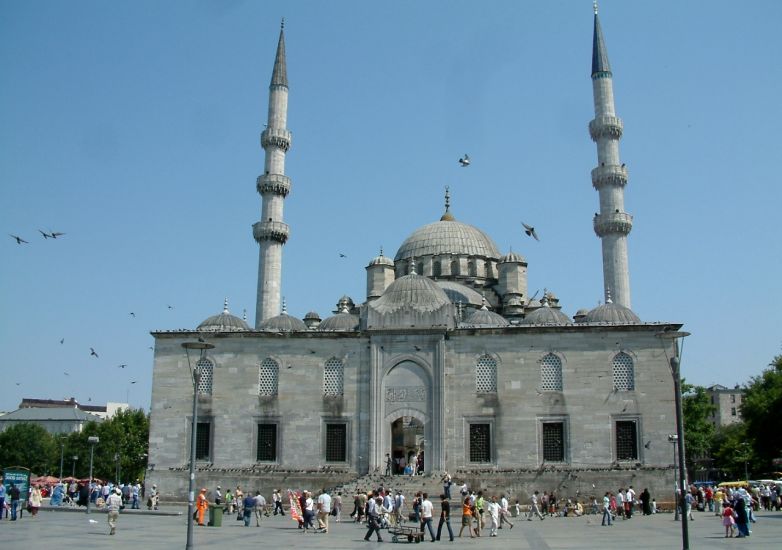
(646, 500)
(742, 518)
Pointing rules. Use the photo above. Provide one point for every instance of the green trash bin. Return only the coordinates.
(215, 515)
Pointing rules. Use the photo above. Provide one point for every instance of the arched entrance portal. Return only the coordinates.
(407, 445)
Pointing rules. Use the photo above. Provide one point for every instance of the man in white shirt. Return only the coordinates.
(504, 512)
(260, 507)
(426, 515)
(494, 513)
(620, 502)
(534, 510)
(399, 504)
(113, 503)
(324, 509)
(629, 502)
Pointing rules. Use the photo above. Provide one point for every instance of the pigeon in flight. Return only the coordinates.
(19, 240)
(170, 307)
(341, 255)
(66, 374)
(62, 340)
(55, 234)
(530, 231)
(93, 352)
(465, 160)
(122, 366)
(133, 381)
(44, 233)
(132, 314)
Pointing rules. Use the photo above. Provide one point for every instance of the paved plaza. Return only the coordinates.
(54, 529)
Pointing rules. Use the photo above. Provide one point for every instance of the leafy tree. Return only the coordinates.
(28, 445)
(698, 429)
(761, 409)
(732, 451)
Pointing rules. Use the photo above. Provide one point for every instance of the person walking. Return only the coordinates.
(259, 507)
(728, 519)
(494, 513)
(2, 499)
(646, 501)
(389, 464)
(114, 503)
(13, 494)
(447, 482)
(534, 510)
(337, 507)
(218, 496)
(324, 511)
(202, 505)
(307, 510)
(134, 492)
(35, 500)
(504, 511)
(373, 519)
(445, 517)
(467, 517)
(248, 507)
(426, 515)
(607, 509)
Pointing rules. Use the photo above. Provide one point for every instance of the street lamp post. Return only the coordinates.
(92, 440)
(673, 438)
(62, 450)
(674, 336)
(73, 470)
(116, 459)
(195, 373)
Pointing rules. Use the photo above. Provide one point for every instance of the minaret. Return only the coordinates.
(271, 233)
(612, 224)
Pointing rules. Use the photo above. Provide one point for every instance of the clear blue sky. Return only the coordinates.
(134, 127)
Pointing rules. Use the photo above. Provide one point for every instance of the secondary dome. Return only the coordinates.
(411, 301)
(447, 237)
(458, 292)
(223, 322)
(546, 315)
(484, 318)
(283, 323)
(342, 321)
(612, 313)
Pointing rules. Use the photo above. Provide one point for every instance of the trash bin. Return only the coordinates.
(215, 515)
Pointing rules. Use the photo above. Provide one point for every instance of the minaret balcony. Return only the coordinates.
(271, 231)
(279, 184)
(606, 126)
(617, 222)
(613, 174)
(276, 137)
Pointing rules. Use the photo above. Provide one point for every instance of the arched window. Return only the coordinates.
(420, 268)
(454, 267)
(333, 378)
(551, 373)
(472, 270)
(624, 375)
(268, 374)
(205, 370)
(486, 375)
(437, 269)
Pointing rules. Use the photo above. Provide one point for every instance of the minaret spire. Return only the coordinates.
(612, 224)
(271, 232)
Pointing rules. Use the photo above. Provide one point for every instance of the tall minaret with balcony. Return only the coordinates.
(271, 233)
(612, 224)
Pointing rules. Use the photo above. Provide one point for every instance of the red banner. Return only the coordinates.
(295, 507)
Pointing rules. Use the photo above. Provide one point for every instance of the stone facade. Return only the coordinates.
(727, 405)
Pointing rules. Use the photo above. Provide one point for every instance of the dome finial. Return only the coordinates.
(608, 295)
(483, 302)
(225, 306)
(412, 266)
(282, 23)
(594, 6)
(381, 249)
(244, 314)
(284, 306)
(447, 216)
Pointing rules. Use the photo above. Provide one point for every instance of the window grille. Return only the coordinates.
(551, 373)
(554, 442)
(486, 375)
(333, 378)
(205, 369)
(336, 442)
(267, 443)
(203, 440)
(268, 374)
(624, 377)
(626, 440)
(480, 443)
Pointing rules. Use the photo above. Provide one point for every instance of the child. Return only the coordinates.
(654, 506)
(727, 519)
(516, 509)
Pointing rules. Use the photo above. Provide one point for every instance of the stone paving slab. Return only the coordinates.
(149, 532)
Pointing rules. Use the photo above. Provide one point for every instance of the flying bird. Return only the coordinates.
(55, 234)
(465, 160)
(170, 307)
(133, 381)
(44, 233)
(66, 374)
(530, 231)
(132, 314)
(122, 366)
(341, 255)
(18, 384)
(417, 348)
(19, 240)
(93, 352)
(62, 340)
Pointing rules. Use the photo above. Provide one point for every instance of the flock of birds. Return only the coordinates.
(50, 235)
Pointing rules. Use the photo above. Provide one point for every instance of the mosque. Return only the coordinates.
(447, 361)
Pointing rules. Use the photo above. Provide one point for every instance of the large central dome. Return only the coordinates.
(447, 237)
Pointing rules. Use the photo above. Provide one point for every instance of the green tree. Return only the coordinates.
(732, 451)
(28, 445)
(698, 429)
(761, 409)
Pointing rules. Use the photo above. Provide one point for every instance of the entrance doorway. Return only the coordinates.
(407, 446)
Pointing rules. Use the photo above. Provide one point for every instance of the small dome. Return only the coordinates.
(546, 315)
(612, 313)
(458, 292)
(483, 317)
(512, 258)
(224, 322)
(381, 260)
(580, 315)
(312, 315)
(343, 321)
(283, 323)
